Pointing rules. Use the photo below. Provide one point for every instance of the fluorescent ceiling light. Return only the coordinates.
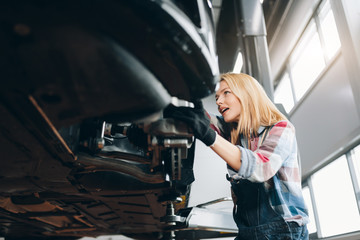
(238, 63)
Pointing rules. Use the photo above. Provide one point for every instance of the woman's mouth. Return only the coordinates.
(222, 111)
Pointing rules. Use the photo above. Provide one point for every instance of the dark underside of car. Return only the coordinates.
(74, 76)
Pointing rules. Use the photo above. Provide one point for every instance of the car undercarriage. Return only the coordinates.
(75, 75)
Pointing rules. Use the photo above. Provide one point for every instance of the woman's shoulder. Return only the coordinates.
(284, 124)
(217, 122)
(281, 127)
(219, 125)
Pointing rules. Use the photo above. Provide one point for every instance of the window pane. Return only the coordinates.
(335, 199)
(283, 93)
(312, 225)
(329, 31)
(308, 62)
(356, 161)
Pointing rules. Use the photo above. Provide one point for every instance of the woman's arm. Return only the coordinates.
(230, 153)
(261, 164)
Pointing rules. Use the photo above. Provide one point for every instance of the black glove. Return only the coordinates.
(136, 136)
(197, 119)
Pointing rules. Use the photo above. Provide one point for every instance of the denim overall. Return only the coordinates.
(255, 217)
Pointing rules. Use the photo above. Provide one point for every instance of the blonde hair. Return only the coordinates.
(256, 107)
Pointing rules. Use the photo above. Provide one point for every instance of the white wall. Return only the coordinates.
(209, 169)
(327, 120)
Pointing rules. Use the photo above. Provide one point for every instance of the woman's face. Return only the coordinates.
(228, 103)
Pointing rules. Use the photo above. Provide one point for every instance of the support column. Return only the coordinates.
(255, 49)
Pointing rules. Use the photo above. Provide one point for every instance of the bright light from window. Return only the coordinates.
(311, 225)
(308, 62)
(238, 63)
(335, 199)
(283, 93)
(311, 55)
(329, 30)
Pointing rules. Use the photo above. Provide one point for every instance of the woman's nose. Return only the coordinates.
(219, 101)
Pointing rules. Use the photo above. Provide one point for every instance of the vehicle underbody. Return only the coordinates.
(74, 73)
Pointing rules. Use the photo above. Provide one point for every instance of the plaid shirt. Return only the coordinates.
(275, 164)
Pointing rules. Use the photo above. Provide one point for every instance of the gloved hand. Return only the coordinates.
(136, 136)
(197, 119)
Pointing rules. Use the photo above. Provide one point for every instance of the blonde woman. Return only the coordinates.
(259, 146)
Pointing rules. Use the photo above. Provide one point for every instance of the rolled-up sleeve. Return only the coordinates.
(263, 163)
(247, 166)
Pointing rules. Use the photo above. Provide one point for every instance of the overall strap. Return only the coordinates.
(265, 133)
(262, 137)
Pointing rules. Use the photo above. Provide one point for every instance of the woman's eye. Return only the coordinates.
(227, 92)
